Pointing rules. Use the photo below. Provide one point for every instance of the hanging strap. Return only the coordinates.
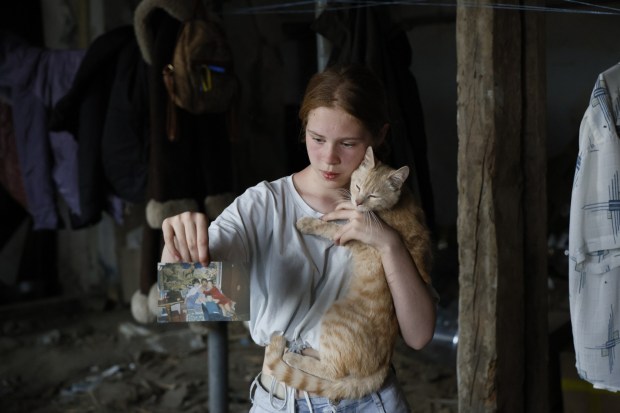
(172, 127)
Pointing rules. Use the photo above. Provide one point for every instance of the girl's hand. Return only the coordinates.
(360, 226)
(186, 238)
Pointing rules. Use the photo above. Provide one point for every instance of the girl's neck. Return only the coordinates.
(320, 198)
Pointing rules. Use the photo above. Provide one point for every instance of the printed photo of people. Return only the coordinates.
(190, 292)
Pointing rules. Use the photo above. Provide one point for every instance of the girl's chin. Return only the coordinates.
(336, 184)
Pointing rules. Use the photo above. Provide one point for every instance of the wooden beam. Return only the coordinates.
(499, 135)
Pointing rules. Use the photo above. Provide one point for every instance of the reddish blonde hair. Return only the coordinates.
(354, 89)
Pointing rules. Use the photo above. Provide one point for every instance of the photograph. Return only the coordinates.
(190, 292)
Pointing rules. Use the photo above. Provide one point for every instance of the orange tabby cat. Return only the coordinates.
(358, 332)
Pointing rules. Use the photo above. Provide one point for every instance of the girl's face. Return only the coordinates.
(336, 144)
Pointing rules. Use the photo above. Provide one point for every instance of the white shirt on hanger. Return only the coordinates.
(594, 238)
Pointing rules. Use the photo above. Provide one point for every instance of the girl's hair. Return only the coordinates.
(354, 89)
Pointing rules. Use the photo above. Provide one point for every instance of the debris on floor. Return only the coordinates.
(103, 361)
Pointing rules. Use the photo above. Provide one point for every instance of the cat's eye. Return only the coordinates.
(357, 187)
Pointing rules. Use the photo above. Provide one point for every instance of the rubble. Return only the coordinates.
(103, 361)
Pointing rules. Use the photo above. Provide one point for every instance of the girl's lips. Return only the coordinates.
(330, 176)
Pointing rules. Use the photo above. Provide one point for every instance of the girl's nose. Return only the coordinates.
(331, 155)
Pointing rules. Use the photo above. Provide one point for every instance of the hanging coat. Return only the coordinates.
(10, 172)
(35, 79)
(106, 110)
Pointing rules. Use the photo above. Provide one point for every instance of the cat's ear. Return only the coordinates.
(398, 177)
(369, 159)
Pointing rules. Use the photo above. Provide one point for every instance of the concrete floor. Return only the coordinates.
(69, 355)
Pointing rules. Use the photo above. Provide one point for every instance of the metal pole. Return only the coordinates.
(218, 366)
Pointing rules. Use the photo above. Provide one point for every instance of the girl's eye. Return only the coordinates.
(347, 145)
(317, 140)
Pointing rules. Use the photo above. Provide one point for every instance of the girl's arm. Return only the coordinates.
(415, 306)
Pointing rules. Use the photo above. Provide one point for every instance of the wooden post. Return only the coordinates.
(499, 136)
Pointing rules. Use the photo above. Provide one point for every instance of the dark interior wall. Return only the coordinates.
(23, 18)
(275, 55)
(580, 45)
(434, 66)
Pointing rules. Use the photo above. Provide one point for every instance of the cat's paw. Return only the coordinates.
(293, 359)
(306, 224)
(273, 354)
(277, 345)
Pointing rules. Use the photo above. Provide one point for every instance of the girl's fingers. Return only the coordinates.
(202, 240)
(340, 214)
(170, 252)
(346, 234)
(344, 205)
(186, 238)
(180, 240)
(169, 255)
(196, 237)
(358, 229)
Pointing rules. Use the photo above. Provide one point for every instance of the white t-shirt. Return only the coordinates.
(294, 278)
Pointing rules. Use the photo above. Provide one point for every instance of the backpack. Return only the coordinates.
(200, 77)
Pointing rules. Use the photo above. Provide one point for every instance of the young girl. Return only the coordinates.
(295, 278)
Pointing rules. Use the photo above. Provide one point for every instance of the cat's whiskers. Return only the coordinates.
(345, 195)
(372, 220)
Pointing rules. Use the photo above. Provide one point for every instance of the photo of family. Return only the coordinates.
(190, 292)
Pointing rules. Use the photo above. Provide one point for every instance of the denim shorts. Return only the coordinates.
(389, 399)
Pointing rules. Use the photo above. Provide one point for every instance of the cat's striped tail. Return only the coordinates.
(340, 389)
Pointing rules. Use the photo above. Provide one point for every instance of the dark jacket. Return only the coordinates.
(106, 110)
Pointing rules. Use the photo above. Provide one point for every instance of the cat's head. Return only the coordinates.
(376, 186)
